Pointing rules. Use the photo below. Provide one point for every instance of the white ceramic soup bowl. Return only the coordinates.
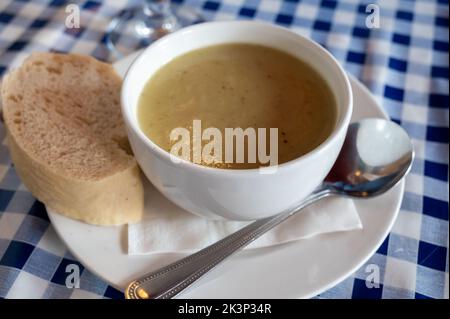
(224, 193)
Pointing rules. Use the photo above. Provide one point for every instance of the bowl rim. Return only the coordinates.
(342, 122)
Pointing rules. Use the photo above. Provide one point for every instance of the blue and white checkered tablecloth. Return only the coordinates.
(404, 63)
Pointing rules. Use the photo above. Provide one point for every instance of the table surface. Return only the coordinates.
(404, 63)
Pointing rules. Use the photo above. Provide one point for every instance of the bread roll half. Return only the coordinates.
(67, 138)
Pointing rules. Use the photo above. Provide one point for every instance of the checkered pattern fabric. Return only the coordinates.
(404, 63)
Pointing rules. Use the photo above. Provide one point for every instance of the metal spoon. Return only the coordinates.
(376, 154)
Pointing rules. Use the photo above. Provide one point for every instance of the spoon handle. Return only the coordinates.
(169, 281)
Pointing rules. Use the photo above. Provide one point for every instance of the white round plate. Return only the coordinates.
(300, 269)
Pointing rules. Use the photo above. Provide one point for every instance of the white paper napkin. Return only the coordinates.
(167, 228)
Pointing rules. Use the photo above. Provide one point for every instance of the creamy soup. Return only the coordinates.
(239, 86)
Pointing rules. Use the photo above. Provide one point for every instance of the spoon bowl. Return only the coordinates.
(375, 156)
